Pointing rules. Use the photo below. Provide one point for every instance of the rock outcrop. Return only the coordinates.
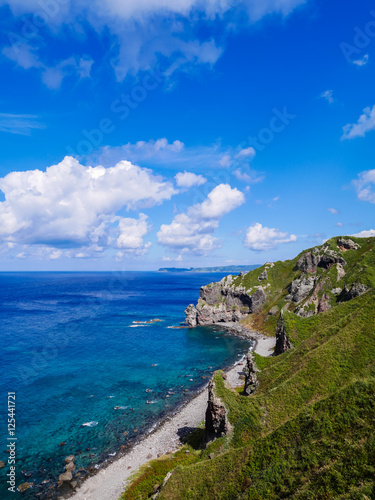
(300, 289)
(282, 341)
(191, 315)
(310, 261)
(263, 275)
(347, 244)
(217, 423)
(354, 291)
(224, 302)
(251, 382)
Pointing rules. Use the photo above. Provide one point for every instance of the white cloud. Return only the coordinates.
(339, 224)
(70, 205)
(333, 211)
(172, 259)
(188, 179)
(266, 238)
(328, 95)
(27, 57)
(361, 62)
(365, 123)
(250, 178)
(364, 186)
(192, 231)
(176, 155)
(131, 233)
(365, 234)
(246, 152)
(19, 124)
(56, 254)
(149, 32)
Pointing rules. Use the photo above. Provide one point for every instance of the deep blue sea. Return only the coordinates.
(73, 350)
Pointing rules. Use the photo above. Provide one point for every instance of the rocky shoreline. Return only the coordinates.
(109, 481)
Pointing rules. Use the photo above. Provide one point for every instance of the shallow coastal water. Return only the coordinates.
(81, 348)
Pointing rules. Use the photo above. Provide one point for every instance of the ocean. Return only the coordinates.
(90, 368)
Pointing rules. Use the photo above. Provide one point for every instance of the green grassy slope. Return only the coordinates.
(309, 430)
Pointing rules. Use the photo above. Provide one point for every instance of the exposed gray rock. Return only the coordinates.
(70, 467)
(273, 311)
(217, 423)
(329, 258)
(354, 291)
(263, 275)
(67, 476)
(251, 382)
(282, 341)
(340, 272)
(336, 291)
(300, 289)
(224, 302)
(308, 263)
(191, 315)
(347, 244)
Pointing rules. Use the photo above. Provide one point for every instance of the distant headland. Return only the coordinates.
(218, 269)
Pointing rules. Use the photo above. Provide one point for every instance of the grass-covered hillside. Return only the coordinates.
(308, 432)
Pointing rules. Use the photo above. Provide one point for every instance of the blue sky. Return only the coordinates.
(139, 135)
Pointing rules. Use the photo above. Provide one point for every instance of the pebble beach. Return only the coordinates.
(110, 482)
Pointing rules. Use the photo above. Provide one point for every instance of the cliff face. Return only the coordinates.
(224, 302)
(316, 281)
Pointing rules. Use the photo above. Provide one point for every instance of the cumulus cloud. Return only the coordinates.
(364, 186)
(192, 231)
(70, 205)
(131, 233)
(19, 124)
(365, 234)
(263, 238)
(365, 123)
(188, 179)
(150, 32)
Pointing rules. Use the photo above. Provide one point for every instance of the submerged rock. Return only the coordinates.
(24, 486)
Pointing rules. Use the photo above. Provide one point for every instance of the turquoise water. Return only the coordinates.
(72, 351)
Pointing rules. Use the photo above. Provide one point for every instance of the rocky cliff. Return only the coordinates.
(314, 282)
(224, 302)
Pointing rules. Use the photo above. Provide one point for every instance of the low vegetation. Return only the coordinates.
(309, 430)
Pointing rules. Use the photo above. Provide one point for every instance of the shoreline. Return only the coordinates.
(111, 480)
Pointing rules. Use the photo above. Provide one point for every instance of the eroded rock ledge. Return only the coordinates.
(224, 302)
